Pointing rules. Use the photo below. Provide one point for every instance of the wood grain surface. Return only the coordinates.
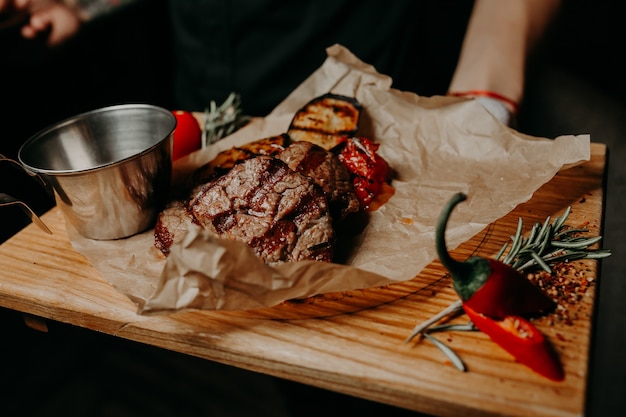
(350, 342)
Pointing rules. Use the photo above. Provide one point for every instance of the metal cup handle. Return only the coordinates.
(7, 200)
(38, 177)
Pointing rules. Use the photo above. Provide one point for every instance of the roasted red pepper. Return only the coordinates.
(369, 170)
(521, 339)
(488, 286)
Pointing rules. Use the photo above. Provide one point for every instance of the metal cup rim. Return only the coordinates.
(73, 119)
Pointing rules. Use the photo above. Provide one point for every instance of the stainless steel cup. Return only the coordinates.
(110, 168)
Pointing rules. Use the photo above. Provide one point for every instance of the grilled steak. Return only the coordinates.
(171, 225)
(228, 158)
(281, 214)
(283, 195)
(327, 171)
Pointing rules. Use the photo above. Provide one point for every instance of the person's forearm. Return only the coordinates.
(499, 37)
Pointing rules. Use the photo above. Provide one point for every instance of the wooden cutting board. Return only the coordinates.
(351, 342)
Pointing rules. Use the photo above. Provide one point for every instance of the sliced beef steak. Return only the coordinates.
(171, 225)
(281, 214)
(326, 170)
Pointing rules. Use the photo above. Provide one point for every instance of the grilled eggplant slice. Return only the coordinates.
(325, 120)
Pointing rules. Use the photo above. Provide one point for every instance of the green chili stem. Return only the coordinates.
(460, 271)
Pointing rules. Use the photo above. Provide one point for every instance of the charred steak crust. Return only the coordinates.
(281, 214)
(171, 224)
(327, 171)
(228, 158)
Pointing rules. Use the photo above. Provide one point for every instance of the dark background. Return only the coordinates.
(578, 87)
(123, 59)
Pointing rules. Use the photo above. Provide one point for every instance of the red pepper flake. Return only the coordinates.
(568, 285)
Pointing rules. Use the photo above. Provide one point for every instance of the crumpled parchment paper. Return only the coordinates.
(437, 146)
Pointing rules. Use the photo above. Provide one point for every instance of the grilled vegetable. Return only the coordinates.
(326, 120)
(370, 172)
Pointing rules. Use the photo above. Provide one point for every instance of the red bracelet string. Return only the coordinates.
(484, 93)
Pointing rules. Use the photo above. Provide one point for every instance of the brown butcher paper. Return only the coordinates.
(437, 146)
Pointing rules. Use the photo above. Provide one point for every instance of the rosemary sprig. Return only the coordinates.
(421, 327)
(221, 121)
(467, 327)
(454, 358)
(549, 243)
(451, 354)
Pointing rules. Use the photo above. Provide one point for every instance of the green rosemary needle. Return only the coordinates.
(451, 354)
(549, 243)
(221, 121)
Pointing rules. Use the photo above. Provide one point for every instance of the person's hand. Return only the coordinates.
(9, 9)
(53, 20)
(56, 20)
(6, 6)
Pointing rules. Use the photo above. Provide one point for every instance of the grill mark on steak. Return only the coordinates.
(278, 212)
(276, 242)
(326, 170)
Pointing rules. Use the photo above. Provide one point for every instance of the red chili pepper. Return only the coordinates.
(521, 339)
(488, 286)
(369, 170)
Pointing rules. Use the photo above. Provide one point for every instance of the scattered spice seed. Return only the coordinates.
(568, 285)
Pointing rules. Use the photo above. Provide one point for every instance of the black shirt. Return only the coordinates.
(263, 49)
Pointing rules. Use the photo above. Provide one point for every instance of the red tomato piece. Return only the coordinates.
(187, 135)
